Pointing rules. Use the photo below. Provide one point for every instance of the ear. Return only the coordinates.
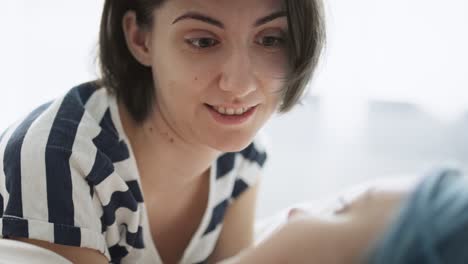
(137, 39)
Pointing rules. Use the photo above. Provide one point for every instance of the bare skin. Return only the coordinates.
(174, 148)
(181, 129)
(340, 237)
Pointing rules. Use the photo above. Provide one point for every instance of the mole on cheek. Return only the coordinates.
(171, 139)
(196, 78)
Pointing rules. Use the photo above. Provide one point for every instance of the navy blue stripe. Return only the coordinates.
(135, 190)
(252, 154)
(135, 239)
(15, 227)
(1, 205)
(117, 252)
(118, 200)
(12, 163)
(58, 153)
(108, 140)
(110, 150)
(85, 91)
(239, 187)
(101, 169)
(217, 216)
(67, 235)
(108, 125)
(91, 191)
(59, 186)
(225, 164)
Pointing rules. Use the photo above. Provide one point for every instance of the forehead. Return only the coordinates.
(224, 9)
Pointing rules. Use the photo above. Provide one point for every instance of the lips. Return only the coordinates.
(230, 110)
(227, 117)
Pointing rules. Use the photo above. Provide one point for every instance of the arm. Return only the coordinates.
(238, 227)
(305, 240)
(341, 237)
(74, 254)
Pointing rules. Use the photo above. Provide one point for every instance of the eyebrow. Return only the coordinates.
(217, 23)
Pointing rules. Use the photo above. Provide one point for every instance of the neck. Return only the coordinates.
(165, 161)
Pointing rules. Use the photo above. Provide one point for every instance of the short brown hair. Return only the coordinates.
(133, 83)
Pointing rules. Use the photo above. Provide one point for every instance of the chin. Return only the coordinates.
(232, 144)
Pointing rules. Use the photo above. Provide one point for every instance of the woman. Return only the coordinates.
(159, 160)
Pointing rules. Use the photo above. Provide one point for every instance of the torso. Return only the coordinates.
(175, 216)
(101, 153)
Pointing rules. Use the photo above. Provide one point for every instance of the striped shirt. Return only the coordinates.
(68, 176)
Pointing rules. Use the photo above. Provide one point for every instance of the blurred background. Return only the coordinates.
(389, 98)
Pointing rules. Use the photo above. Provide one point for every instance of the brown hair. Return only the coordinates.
(133, 84)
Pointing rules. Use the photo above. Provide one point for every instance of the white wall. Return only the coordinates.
(398, 50)
(46, 48)
(402, 51)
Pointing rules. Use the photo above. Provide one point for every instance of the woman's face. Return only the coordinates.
(214, 58)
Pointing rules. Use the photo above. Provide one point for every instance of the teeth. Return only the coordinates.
(230, 111)
(221, 110)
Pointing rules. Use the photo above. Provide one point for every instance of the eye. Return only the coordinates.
(271, 41)
(202, 43)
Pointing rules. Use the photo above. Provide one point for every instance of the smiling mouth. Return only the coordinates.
(230, 111)
(231, 116)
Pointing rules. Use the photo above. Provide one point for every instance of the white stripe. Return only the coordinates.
(98, 206)
(97, 105)
(87, 130)
(82, 161)
(262, 142)
(249, 172)
(198, 239)
(128, 168)
(91, 239)
(33, 166)
(123, 216)
(41, 230)
(112, 183)
(151, 254)
(223, 186)
(204, 247)
(137, 255)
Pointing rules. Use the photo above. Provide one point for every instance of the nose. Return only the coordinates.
(237, 76)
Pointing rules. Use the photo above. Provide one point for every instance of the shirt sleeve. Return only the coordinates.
(254, 160)
(45, 195)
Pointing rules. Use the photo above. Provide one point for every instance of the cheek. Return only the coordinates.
(271, 65)
(178, 79)
(174, 62)
(272, 87)
(195, 72)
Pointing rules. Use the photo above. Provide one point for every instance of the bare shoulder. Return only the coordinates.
(390, 187)
(73, 254)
